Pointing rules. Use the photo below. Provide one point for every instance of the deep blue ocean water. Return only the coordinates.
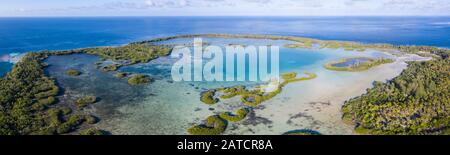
(18, 35)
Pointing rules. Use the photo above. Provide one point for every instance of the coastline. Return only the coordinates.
(304, 105)
(316, 104)
(312, 109)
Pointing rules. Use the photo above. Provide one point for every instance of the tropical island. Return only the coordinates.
(415, 102)
(356, 64)
(253, 97)
(85, 101)
(250, 98)
(139, 79)
(73, 72)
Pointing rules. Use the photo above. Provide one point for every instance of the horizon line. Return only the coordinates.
(226, 16)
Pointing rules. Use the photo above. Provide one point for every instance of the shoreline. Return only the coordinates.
(306, 106)
(333, 109)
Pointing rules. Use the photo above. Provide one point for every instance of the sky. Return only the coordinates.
(224, 8)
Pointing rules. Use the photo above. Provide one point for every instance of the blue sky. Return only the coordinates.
(224, 7)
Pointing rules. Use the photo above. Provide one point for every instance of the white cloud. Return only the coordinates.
(166, 3)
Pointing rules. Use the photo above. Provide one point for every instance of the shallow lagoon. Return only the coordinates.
(350, 62)
(168, 107)
(18, 36)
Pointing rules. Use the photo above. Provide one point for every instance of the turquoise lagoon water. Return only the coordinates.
(165, 106)
(19, 35)
(168, 107)
(351, 62)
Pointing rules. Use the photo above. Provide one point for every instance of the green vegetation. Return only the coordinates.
(420, 50)
(272, 37)
(110, 68)
(26, 93)
(41, 104)
(70, 124)
(291, 77)
(121, 75)
(123, 55)
(91, 119)
(92, 132)
(416, 102)
(240, 115)
(139, 79)
(248, 97)
(252, 97)
(357, 67)
(348, 46)
(232, 92)
(23, 87)
(255, 98)
(131, 54)
(305, 44)
(214, 125)
(300, 41)
(85, 101)
(66, 110)
(73, 72)
(207, 97)
(47, 101)
(305, 132)
(288, 76)
(46, 87)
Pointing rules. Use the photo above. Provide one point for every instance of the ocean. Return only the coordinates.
(168, 107)
(19, 35)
